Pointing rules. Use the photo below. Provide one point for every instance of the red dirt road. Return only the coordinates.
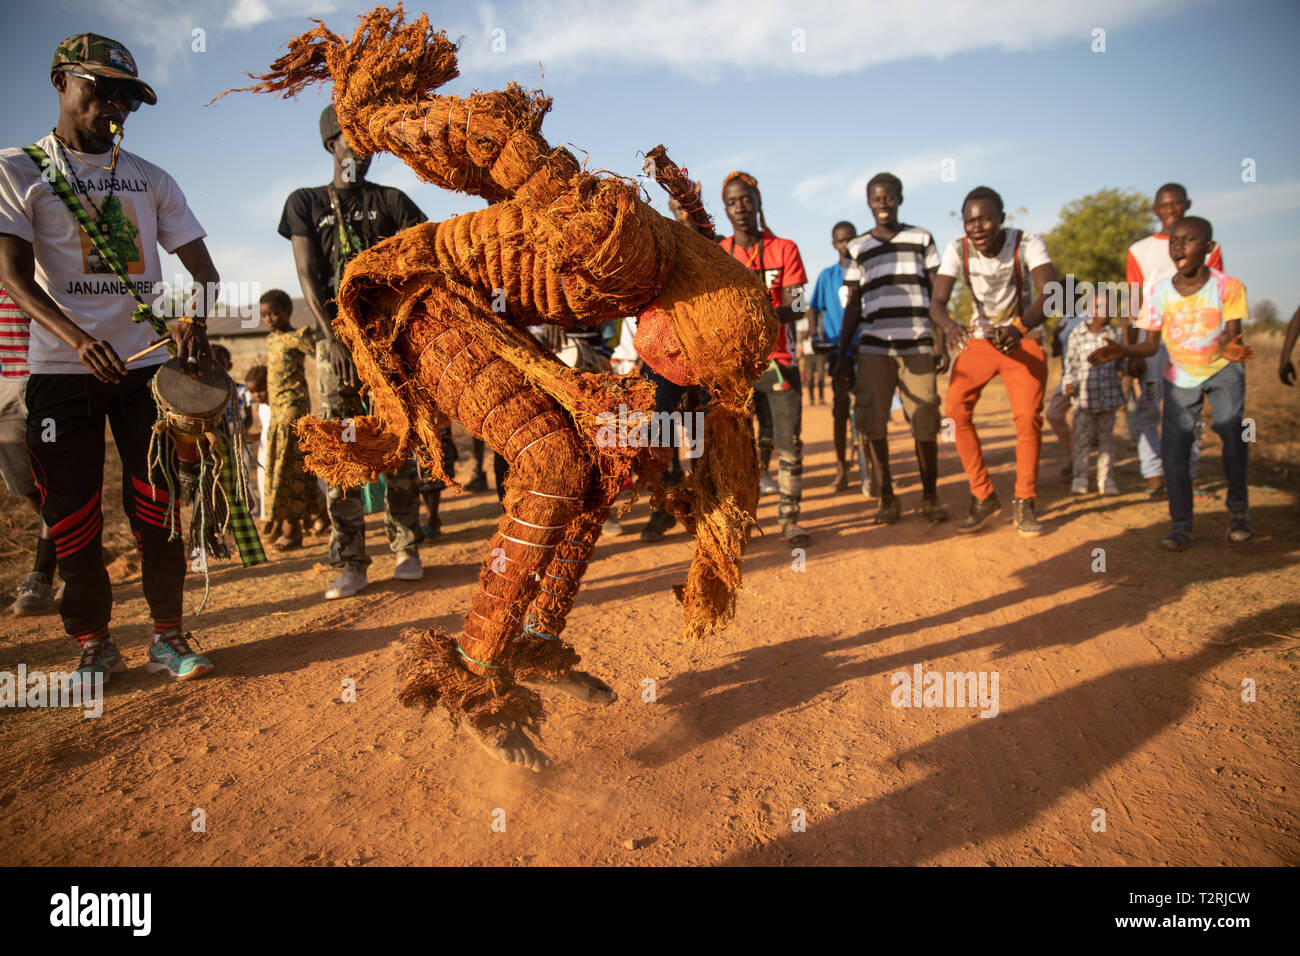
(1119, 691)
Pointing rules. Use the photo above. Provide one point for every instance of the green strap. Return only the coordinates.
(492, 667)
(63, 189)
(347, 246)
(242, 526)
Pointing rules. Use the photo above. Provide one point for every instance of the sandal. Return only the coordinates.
(1240, 529)
(286, 543)
(1176, 541)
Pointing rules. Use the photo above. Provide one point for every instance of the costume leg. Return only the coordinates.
(545, 490)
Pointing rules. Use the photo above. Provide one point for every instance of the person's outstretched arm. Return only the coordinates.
(1285, 370)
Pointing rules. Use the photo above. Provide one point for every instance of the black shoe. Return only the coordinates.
(981, 512)
(1026, 522)
(932, 510)
(477, 483)
(889, 511)
(660, 522)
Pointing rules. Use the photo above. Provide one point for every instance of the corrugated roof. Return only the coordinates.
(232, 326)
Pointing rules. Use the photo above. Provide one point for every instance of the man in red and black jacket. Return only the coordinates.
(780, 269)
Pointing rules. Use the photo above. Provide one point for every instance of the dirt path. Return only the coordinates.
(1119, 691)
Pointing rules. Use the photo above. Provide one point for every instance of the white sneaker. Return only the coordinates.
(1079, 486)
(350, 582)
(766, 486)
(409, 568)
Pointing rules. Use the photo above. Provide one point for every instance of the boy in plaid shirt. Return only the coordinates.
(1097, 394)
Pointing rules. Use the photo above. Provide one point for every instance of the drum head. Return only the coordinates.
(201, 397)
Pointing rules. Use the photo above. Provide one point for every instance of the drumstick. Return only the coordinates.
(143, 352)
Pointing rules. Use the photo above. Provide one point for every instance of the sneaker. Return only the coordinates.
(660, 523)
(409, 568)
(766, 486)
(612, 526)
(932, 510)
(888, 512)
(1026, 522)
(1079, 486)
(35, 596)
(1110, 488)
(171, 654)
(99, 656)
(477, 483)
(350, 582)
(981, 512)
(1240, 529)
(795, 536)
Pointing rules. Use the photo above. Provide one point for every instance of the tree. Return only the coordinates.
(959, 304)
(1092, 238)
(1264, 311)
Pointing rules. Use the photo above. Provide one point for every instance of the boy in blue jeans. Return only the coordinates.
(1198, 312)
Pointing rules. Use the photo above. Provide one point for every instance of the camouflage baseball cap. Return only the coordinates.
(102, 57)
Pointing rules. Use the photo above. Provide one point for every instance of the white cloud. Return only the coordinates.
(827, 192)
(165, 27)
(707, 38)
(1248, 201)
(250, 13)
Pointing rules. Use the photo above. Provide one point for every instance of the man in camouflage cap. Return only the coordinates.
(81, 308)
(105, 58)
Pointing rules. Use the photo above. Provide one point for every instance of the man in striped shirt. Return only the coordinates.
(888, 281)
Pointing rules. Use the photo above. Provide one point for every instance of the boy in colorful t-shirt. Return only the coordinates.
(1198, 312)
(1148, 262)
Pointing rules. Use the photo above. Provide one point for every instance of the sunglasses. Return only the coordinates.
(110, 90)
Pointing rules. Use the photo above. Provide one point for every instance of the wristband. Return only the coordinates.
(190, 320)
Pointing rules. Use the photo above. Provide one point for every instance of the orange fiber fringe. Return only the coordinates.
(430, 674)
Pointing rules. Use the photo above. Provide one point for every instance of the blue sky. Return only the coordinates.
(812, 98)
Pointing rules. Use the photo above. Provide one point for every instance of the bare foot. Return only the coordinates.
(509, 744)
(580, 684)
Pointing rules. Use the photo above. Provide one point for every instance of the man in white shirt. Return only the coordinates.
(82, 326)
(1005, 271)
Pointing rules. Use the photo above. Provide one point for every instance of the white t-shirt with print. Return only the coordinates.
(993, 278)
(145, 208)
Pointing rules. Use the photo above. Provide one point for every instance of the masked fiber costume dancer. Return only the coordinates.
(436, 319)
